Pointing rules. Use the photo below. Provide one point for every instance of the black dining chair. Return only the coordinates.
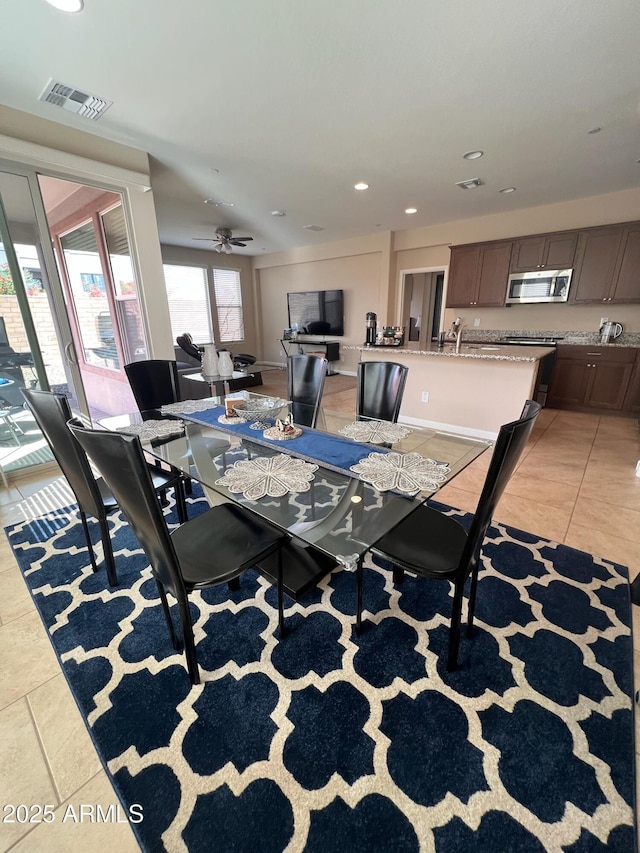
(430, 544)
(213, 548)
(154, 383)
(379, 390)
(305, 384)
(52, 412)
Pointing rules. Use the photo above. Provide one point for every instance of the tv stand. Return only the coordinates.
(331, 349)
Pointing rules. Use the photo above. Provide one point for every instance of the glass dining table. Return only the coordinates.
(335, 489)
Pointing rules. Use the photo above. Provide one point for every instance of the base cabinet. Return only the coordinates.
(632, 399)
(592, 378)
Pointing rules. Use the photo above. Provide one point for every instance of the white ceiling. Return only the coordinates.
(284, 104)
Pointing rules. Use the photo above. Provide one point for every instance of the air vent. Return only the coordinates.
(313, 227)
(470, 185)
(74, 100)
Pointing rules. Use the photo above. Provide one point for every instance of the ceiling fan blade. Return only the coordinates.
(246, 239)
(210, 239)
(236, 243)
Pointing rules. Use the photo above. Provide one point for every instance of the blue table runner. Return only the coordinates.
(331, 451)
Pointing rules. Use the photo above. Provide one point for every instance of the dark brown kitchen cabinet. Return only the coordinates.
(596, 262)
(626, 284)
(463, 276)
(591, 377)
(632, 399)
(478, 275)
(546, 251)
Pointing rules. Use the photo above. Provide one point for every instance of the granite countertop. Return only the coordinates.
(476, 350)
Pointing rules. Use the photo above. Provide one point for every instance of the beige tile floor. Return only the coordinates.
(576, 484)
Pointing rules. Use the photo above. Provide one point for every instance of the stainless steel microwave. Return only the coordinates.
(539, 286)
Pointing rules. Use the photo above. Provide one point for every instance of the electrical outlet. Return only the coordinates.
(476, 321)
(425, 396)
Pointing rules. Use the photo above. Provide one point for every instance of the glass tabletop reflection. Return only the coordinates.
(332, 516)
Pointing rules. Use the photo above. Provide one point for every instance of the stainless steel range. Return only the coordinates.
(545, 368)
(530, 340)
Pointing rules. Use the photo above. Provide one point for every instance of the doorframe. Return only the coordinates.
(401, 286)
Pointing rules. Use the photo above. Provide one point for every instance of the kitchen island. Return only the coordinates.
(473, 390)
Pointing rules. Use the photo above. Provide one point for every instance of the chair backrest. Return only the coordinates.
(380, 387)
(154, 382)
(508, 448)
(51, 412)
(305, 384)
(185, 342)
(120, 460)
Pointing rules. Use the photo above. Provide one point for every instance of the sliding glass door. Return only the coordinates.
(89, 233)
(31, 354)
(70, 318)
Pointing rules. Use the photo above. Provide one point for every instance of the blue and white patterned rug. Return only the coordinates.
(328, 742)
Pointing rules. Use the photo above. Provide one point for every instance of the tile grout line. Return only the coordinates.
(41, 744)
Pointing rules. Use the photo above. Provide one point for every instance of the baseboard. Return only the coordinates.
(459, 430)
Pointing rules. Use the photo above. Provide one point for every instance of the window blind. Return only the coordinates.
(228, 295)
(188, 298)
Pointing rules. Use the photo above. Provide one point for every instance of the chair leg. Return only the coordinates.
(175, 642)
(188, 486)
(472, 600)
(398, 575)
(189, 642)
(92, 553)
(313, 500)
(454, 628)
(181, 504)
(234, 584)
(359, 596)
(281, 628)
(110, 563)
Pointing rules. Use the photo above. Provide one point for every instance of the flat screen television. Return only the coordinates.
(316, 312)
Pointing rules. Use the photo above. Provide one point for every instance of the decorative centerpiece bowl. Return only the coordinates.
(258, 410)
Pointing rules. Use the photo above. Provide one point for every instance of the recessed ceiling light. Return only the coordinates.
(67, 5)
(411, 210)
(471, 184)
(595, 130)
(278, 213)
(361, 186)
(473, 155)
(508, 190)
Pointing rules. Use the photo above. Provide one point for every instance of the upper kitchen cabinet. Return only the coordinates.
(626, 281)
(478, 275)
(546, 251)
(597, 262)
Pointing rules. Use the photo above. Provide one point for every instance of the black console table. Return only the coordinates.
(331, 349)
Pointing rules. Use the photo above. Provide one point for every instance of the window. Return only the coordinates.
(190, 309)
(226, 285)
(188, 297)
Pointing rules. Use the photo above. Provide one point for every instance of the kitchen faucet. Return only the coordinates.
(456, 332)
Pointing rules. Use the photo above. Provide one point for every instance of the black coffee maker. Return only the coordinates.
(372, 325)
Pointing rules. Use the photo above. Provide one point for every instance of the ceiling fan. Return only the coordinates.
(224, 240)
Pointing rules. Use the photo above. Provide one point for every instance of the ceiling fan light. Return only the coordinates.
(227, 249)
(219, 248)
